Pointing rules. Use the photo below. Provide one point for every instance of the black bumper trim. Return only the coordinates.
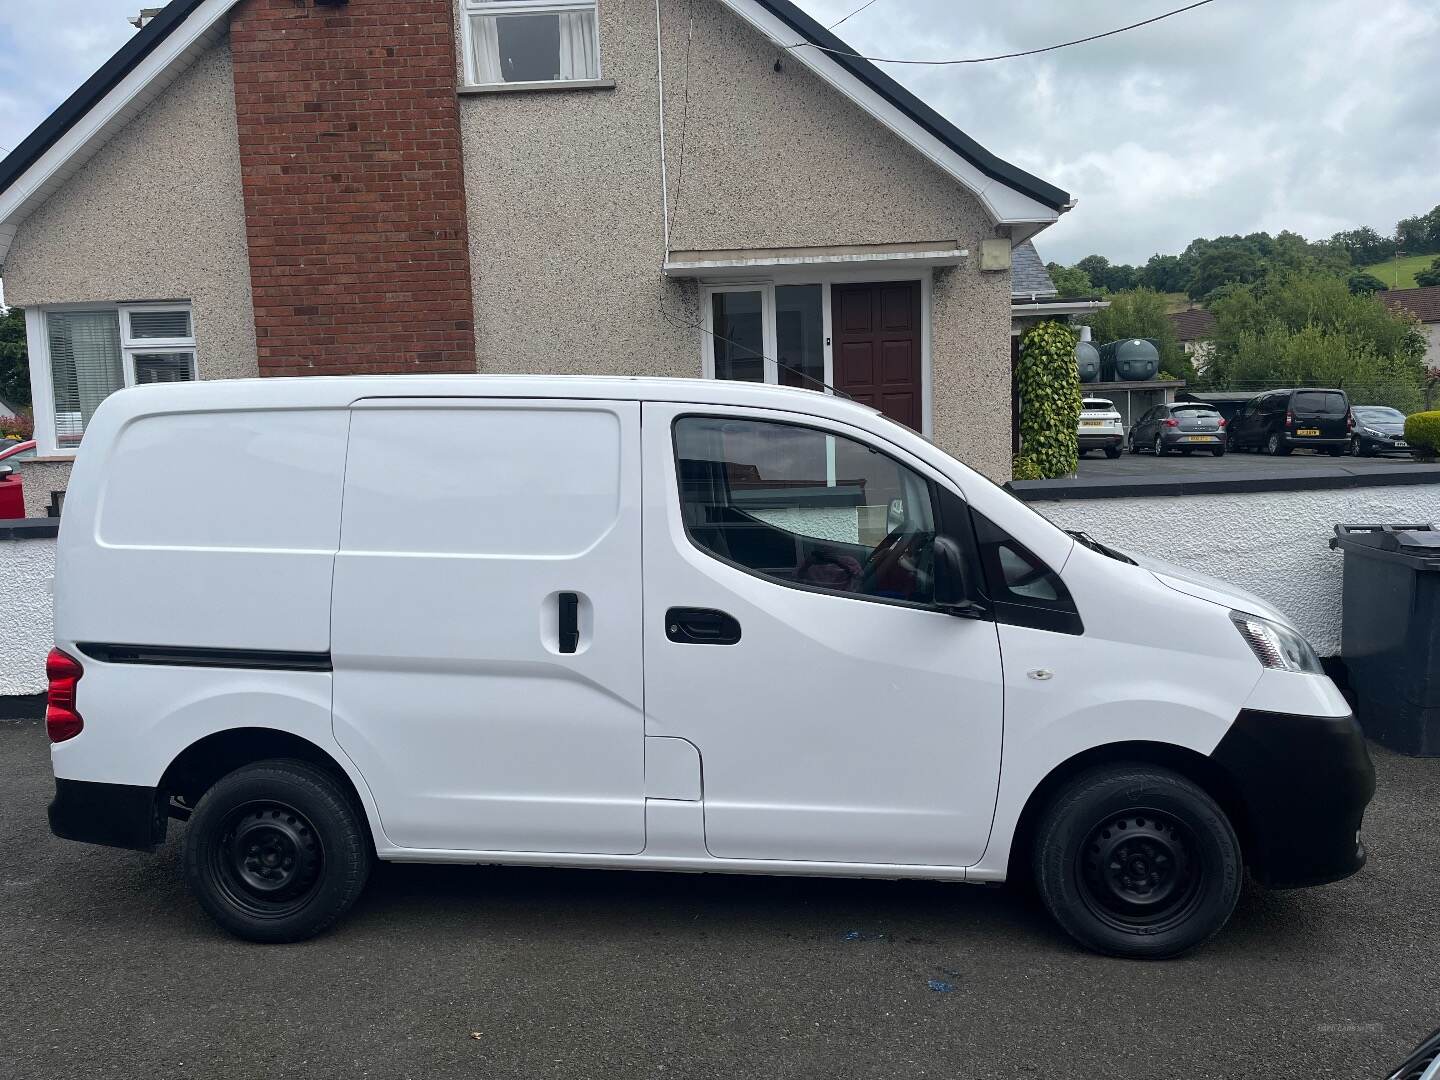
(1305, 782)
(116, 815)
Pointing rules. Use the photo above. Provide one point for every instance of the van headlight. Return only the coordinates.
(1276, 646)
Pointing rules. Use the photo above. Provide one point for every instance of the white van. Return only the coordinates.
(662, 625)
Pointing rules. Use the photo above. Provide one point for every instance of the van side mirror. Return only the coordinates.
(952, 585)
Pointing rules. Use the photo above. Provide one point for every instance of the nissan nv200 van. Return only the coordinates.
(659, 625)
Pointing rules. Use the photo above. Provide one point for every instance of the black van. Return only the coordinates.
(1281, 420)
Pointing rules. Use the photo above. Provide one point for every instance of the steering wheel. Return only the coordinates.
(902, 551)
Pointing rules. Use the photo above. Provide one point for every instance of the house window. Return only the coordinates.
(520, 41)
(80, 356)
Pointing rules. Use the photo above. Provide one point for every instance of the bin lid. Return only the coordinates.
(1420, 543)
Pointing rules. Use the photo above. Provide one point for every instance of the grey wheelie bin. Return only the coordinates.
(1390, 635)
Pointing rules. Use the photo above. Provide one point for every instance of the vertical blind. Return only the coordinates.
(85, 367)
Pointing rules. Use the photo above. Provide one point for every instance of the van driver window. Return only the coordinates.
(806, 508)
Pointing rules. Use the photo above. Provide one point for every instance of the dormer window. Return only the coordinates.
(530, 41)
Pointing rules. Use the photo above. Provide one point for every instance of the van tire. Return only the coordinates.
(1098, 886)
(307, 866)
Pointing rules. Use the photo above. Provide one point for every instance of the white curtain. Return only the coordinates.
(578, 59)
(485, 44)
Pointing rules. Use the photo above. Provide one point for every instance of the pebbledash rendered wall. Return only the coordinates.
(567, 234)
(1274, 544)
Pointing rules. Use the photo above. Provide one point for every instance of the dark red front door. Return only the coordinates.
(877, 347)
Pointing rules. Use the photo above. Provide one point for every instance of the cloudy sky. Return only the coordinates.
(1312, 115)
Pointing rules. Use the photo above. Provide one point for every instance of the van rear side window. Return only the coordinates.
(481, 480)
(261, 480)
(1320, 403)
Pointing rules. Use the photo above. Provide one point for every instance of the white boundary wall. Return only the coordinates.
(1273, 543)
(26, 628)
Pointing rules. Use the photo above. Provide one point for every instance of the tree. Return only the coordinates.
(1308, 328)
(1163, 273)
(1363, 283)
(1364, 246)
(1228, 265)
(14, 360)
(1142, 313)
(1430, 276)
(1070, 280)
(1419, 235)
(1094, 267)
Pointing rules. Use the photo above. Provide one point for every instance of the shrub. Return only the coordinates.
(1026, 468)
(17, 427)
(1049, 401)
(1423, 430)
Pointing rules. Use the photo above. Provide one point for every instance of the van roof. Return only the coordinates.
(324, 391)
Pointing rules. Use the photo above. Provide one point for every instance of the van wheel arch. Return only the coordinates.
(1195, 767)
(205, 761)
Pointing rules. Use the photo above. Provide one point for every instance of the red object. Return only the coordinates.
(1349, 421)
(61, 720)
(1172, 422)
(1222, 421)
(12, 496)
(1289, 418)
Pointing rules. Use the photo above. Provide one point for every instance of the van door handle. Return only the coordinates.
(569, 606)
(701, 626)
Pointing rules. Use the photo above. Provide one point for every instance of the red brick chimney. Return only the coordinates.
(354, 188)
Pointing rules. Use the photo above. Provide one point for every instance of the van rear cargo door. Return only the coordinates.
(486, 623)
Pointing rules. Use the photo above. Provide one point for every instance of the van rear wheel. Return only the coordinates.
(1137, 861)
(276, 852)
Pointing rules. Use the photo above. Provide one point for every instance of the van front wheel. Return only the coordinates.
(275, 852)
(1137, 861)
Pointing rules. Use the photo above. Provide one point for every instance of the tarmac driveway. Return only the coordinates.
(107, 969)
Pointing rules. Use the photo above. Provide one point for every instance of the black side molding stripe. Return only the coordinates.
(186, 656)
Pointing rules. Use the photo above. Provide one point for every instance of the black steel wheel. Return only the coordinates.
(276, 851)
(1139, 868)
(1137, 861)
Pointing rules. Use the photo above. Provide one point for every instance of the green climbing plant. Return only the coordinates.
(1049, 403)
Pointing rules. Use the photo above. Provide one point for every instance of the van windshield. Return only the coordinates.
(1319, 403)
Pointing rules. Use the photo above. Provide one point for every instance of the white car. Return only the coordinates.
(656, 625)
(1100, 427)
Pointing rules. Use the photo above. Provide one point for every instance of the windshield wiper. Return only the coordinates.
(1095, 545)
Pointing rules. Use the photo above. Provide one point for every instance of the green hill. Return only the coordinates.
(1400, 273)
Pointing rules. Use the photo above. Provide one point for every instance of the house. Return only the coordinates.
(312, 187)
(1193, 329)
(1424, 304)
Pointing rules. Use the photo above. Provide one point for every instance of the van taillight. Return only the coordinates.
(61, 720)
(1289, 418)
(1349, 421)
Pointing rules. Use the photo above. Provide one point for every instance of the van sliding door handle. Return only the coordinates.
(569, 621)
(701, 626)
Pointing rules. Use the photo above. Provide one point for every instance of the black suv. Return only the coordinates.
(1281, 420)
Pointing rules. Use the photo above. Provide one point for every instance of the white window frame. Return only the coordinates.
(766, 286)
(42, 384)
(470, 8)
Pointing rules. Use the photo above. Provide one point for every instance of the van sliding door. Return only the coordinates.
(486, 623)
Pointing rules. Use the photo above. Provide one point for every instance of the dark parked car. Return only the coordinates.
(1378, 429)
(1279, 421)
(1179, 425)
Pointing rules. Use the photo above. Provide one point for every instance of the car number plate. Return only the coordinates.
(1198, 438)
(1092, 423)
(1308, 431)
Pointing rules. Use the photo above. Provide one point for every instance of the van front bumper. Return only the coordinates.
(1304, 782)
(116, 815)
